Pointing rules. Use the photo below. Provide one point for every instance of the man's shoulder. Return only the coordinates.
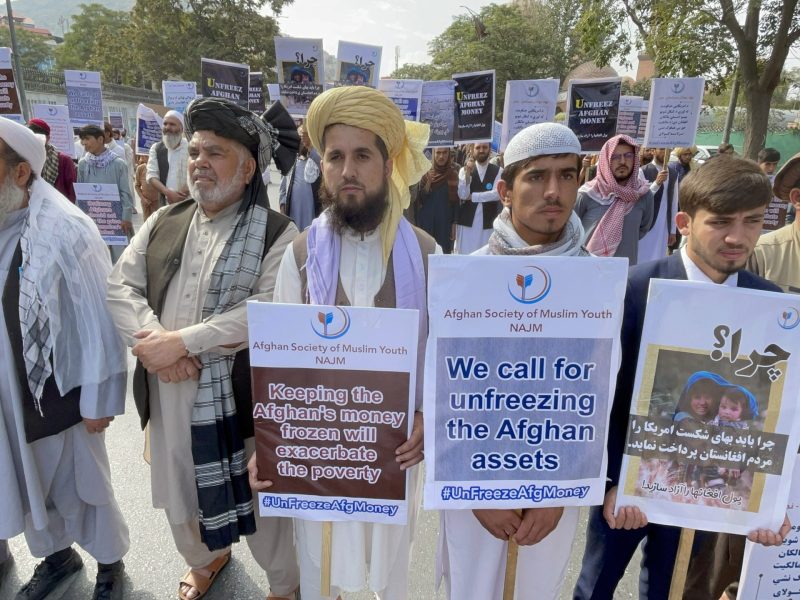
(426, 242)
(779, 237)
(669, 267)
(750, 280)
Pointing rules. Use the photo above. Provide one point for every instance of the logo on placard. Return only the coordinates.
(51, 111)
(96, 187)
(399, 85)
(82, 75)
(331, 325)
(533, 90)
(530, 286)
(789, 318)
(678, 87)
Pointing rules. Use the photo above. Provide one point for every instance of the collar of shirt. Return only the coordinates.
(224, 213)
(693, 272)
(482, 168)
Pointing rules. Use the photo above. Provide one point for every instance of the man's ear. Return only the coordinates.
(22, 173)
(684, 221)
(250, 169)
(388, 168)
(794, 197)
(504, 192)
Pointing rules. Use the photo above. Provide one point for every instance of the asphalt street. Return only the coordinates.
(153, 566)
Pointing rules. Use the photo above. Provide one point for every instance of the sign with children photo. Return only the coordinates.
(712, 435)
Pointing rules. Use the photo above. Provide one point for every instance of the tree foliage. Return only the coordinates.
(33, 50)
(707, 38)
(522, 41)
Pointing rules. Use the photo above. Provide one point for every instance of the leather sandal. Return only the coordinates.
(198, 581)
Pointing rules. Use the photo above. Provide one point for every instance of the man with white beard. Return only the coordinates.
(178, 295)
(63, 378)
(166, 164)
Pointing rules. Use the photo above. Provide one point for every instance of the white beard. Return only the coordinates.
(220, 193)
(172, 140)
(12, 197)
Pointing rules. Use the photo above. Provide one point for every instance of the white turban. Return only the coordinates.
(24, 142)
(175, 115)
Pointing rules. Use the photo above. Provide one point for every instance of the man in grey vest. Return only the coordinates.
(166, 164)
(480, 202)
(178, 296)
(361, 251)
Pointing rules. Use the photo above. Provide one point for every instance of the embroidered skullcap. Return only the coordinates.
(367, 108)
(541, 139)
(24, 142)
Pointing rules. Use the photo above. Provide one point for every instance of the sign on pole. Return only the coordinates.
(222, 79)
(115, 120)
(405, 93)
(713, 429)
(257, 93)
(102, 203)
(474, 107)
(527, 102)
(630, 117)
(592, 110)
(437, 109)
(674, 112)
(57, 117)
(519, 378)
(301, 72)
(358, 64)
(148, 128)
(84, 97)
(333, 398)
(178, 94)
(9, 98)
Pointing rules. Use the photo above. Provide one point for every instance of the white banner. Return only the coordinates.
(178, 94)
(358, 64)
(527, 102)
(713, 429)
(84, 97)
(405, 93)
(674, 112)
(57, 117)
(333, 398)
(301, 72)
(519, 378)
(148, 128)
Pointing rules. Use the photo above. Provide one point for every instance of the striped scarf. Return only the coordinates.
(224, 498)
(50, 169)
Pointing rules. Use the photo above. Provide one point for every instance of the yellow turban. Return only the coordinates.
(367, 108)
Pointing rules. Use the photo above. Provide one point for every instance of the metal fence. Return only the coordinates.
(52, 82)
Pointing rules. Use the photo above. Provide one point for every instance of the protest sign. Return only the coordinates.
(178, 94)
(300, 72)
(222, 79)
(331, 404)
(148, 128)
(115, 120)
(713, 433)
(774, 571)
(474, 107)
(527, 102)
(84, 97)
(257, 93)
(437, 109)
(674, 112)
(57, 117)
(9, 98)
(592, 110)
(405, 93)
(519, 376)
(274, 91)
(497, 132)
(358, 64)
(629, 117)
(102, 203)
(775, 214)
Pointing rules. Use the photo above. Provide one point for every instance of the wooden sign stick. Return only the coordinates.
(325, 559)
(681, 569)
(510, 581)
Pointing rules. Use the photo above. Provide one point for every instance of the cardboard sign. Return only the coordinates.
(674, 112)
(301, 72)
(227, 80)
(84, 97)
(102, 203)
(358, 64)
(527, 102)
(474, 107)
(592, 110)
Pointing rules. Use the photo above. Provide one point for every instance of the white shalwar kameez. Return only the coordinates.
(653, 246)
(57, 490)
(470, 238)
(371, 555)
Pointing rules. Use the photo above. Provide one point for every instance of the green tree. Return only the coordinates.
(702, 37)
(89, 30)
(521, 41)
(33, 49)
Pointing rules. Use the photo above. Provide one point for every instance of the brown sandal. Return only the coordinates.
(202, 583)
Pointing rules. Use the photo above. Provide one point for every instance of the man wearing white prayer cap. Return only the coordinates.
(63, 379)
(538, 188)
(168, 160)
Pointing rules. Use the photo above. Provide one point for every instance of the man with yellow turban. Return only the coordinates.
(361, 252)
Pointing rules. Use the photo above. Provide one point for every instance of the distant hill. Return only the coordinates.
(46, 13)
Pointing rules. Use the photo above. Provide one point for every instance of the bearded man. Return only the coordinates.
(166, 163)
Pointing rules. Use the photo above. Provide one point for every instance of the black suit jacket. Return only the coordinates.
(639, 278)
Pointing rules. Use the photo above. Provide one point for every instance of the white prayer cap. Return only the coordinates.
(175, 115)
(539, 140)
(24, 142)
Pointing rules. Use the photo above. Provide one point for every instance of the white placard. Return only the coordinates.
(358, 64)
(57, 117)
(84, 97)
(102, 203)
(178, 94)
(301, 72)
(527, 102)
(674, 112)
(405, 93)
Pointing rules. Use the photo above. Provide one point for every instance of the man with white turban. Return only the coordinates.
(538, 188)
(361, 252)
(167, 162)
(63, 377)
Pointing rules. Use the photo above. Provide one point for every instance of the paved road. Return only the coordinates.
(153, 567)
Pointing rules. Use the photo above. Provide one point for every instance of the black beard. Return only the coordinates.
(362, 217)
